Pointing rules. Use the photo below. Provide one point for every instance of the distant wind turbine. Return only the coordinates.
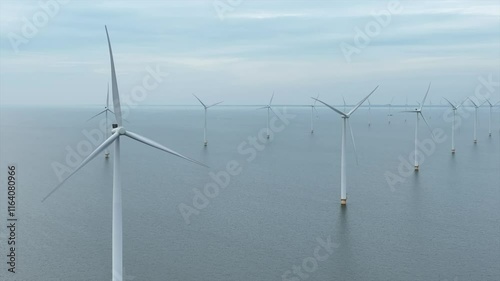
(118, 131)
(313, 109)
(105, 111)
(205, 142)
(418, 111)
(454, 108)
(491, 113)
(390, 111)
(269, 108)
(345, 117)
(476, 107)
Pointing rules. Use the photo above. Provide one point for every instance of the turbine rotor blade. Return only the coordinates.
(274, 112)
(92, 155)
(475, 105)
(353, 142)
(200, 101)
(107, 98)
(361, 102)
(264, 107)
(452, 105)
(96, 115)
(114, 84)
(331, 107)
(215, 104)
(428, 126)
(425, 97)
(270, 101)
(314, 103)
(156, 145)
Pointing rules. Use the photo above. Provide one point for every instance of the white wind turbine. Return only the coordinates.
(269, 108)
(345, 117)
(117, 132)
(476, 107)
(418, 111)
(105, 111)
(491, 113)
(205, 128)
(313, 109)
(454, 108)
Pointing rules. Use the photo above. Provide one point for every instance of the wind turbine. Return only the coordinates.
(418, 111)
(345, 117)
(105, 111)
(313, 108)
(454, 108)
(268, 107)
(491, 113)
(369, 113)
(205, 128)
(476, 107)
(390, 111)
(117, 132)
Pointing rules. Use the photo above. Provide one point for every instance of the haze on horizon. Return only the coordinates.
(241, 53)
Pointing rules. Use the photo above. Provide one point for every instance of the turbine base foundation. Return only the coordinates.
(205, 143)
(106, 155)
(475, 141)
(490, 134)
(267, 136)
(416, 168)
(343, 202)
(453, 151)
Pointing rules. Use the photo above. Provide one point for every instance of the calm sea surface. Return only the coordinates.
(442, 223)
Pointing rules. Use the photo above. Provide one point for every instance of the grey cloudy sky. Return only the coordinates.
(242, 51)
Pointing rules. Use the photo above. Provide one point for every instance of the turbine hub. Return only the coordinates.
(120, 130)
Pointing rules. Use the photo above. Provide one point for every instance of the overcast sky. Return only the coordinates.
(242, 53)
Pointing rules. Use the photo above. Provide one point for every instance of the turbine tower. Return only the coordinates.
(454, 108)
(205, 128)
(390, 111)
(476, 107)
(269, 108)
(118, 132)
(345, 123)
(418, 112)
(313, 109)
(105, 111)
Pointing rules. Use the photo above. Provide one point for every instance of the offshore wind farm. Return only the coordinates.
(257, 198)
